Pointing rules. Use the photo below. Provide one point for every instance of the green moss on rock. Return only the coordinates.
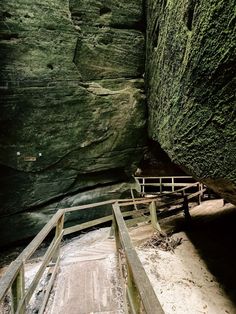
(190, 72)
(67, 103)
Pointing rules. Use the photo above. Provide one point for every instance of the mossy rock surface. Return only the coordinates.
(190, 71)
(72, 97)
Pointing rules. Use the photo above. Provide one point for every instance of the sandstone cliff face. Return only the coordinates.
(73, 117)
(190, 73)
(72, 103)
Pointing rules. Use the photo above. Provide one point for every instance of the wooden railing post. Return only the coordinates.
(153, 215)
(186, 207)
(137, 281)
(172, 184)
(200, 193)
(160, 180)
(17, 291)
(133, 198)
(59, 228)
(112, 231)
(116, 232)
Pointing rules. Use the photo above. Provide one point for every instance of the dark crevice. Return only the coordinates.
(105, 10)
(155, 32)
(164, 3)
(94, 79)
(77, 18)
(27, 16)
(138, 26)
(5, 15)
(224, 74)
(8, 36)
(50, 66)
(190, 14)
(190, 19)
(50, 27)
(76, 14)
(156, 36)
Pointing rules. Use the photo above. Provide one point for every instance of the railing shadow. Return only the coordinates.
(214, 237)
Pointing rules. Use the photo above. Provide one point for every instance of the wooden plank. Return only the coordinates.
(11, 273)
(86, 206)
(132, 292)
(142, 282)
(93, 205)
(195, 194)
(117, 238)
(176, 177)
(132, 195)
(124, 202)
(49, 286)
(130, 222)
(96, 222)
(200, 194)
(143, 201)
(173, 184)
(150, 199)
(59, 229)
(47, 257)
(167, 184)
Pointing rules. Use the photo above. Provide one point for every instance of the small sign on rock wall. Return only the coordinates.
(30, 158)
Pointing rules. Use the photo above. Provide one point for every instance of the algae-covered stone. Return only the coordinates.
(24, 225)
(71, 110)
(190, 71)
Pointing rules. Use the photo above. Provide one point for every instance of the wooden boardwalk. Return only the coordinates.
(87, 285)
(88, 281)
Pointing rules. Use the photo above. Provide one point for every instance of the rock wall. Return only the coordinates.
(72, 101)
(190, 72)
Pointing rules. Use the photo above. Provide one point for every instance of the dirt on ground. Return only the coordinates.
(182, 281)
(200, 275)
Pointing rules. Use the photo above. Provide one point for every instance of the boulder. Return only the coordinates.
(73, 109)
(190, 73)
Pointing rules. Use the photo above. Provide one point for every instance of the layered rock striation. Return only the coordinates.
(190, 72)
(73, 114)
(72, 97)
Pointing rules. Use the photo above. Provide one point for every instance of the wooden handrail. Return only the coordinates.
(11, 273)
(177, 177)
(155, 198)
(142, 283)
(49, 254)
(14, 276)
(160, 184)
(102, 203)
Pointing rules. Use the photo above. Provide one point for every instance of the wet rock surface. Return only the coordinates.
(190, 73)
